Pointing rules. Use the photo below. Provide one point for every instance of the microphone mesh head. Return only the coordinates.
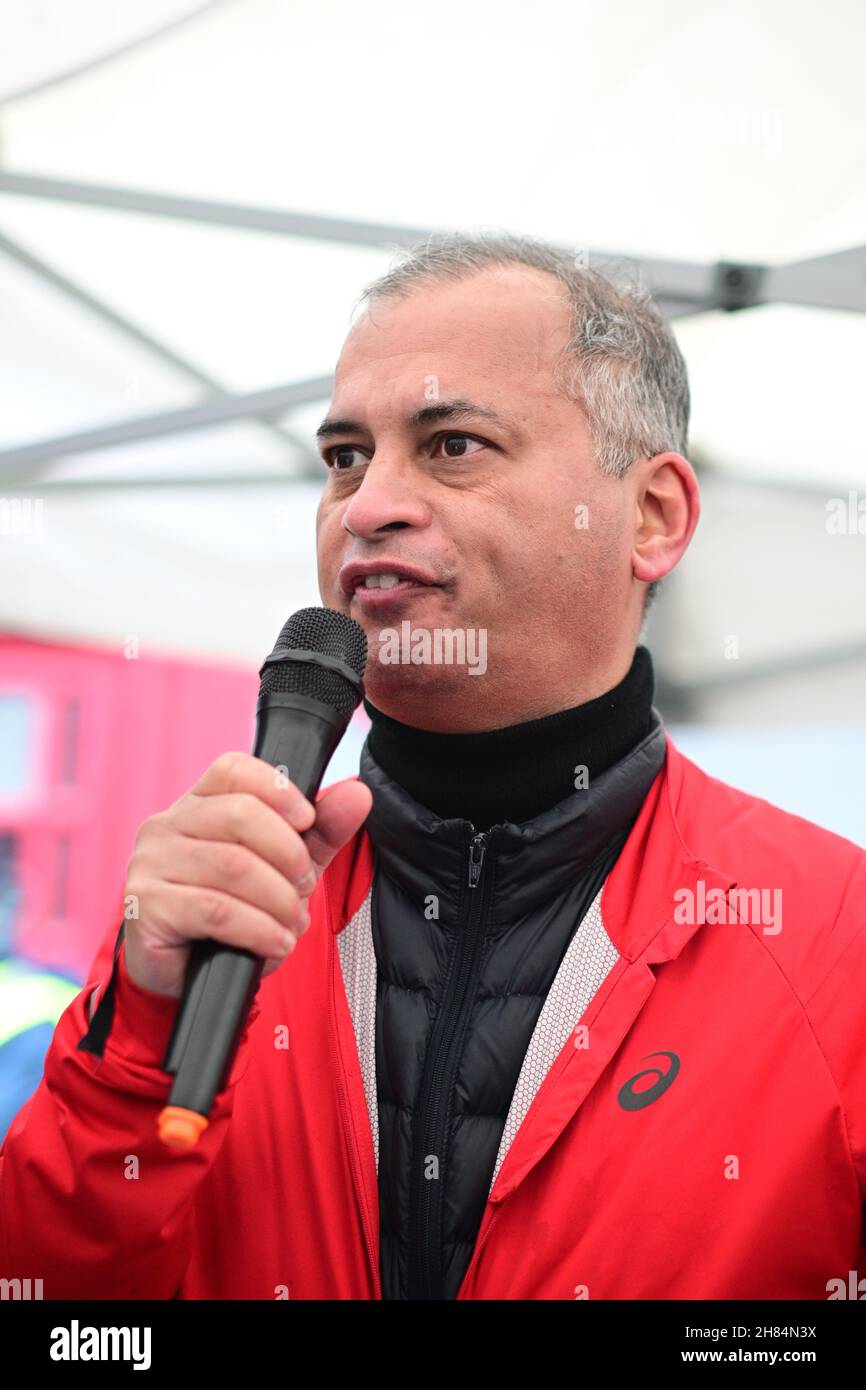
(331, 633)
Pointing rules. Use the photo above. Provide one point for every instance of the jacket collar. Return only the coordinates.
(643, 893)
(531, 862)
(639, 899)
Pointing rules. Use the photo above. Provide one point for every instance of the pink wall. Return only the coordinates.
(114, 740)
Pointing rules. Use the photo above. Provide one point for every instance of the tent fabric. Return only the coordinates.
(728, 132)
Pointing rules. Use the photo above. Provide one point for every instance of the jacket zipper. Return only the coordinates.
(434, 1107)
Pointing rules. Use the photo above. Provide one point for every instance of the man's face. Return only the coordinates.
(457, 456)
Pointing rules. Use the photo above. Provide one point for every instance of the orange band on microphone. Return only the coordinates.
(180, 1128)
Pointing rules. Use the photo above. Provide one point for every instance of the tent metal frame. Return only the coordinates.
(680, 288)
(309, 465)
(100, 60)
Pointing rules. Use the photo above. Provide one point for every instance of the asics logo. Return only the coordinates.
(630, 1099)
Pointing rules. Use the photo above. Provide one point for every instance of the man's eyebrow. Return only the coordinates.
(453, 412)
(331, 426)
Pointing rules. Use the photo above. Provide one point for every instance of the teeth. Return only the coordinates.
(381, 581)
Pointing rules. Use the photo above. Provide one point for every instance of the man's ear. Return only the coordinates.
(667, 507)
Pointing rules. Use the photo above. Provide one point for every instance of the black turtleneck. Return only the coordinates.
(515, 773)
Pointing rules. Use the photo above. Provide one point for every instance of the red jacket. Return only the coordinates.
(735, 1167)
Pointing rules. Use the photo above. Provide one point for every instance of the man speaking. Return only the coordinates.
(547, 1013)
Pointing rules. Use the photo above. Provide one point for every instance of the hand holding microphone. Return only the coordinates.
(224, 875)
(230, 861)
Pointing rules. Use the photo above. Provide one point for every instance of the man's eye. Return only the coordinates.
(455, 445)
(336, 457)
(340, 457)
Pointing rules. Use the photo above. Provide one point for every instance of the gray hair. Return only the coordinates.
(621, 365)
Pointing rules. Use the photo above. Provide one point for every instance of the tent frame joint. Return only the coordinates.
(737, 285)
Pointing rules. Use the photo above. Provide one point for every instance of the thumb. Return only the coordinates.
(340, 812)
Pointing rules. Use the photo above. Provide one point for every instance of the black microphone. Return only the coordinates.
(312, 683)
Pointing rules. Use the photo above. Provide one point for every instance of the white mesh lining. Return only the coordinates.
(590, 957)
(358, 962)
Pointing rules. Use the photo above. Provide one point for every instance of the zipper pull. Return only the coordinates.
(477, 846)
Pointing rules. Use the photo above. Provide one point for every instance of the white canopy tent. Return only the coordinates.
(192, 195)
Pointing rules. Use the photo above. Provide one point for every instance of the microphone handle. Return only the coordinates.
(298, 735)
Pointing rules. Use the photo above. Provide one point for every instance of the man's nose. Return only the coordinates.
(386, 500)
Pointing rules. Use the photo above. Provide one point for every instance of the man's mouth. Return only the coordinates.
(388, 581)
(377, 593)
(373, 586)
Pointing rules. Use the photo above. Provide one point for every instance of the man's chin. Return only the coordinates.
(425, 694)
(437, 708)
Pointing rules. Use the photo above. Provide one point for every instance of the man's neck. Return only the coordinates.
(517, 772)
